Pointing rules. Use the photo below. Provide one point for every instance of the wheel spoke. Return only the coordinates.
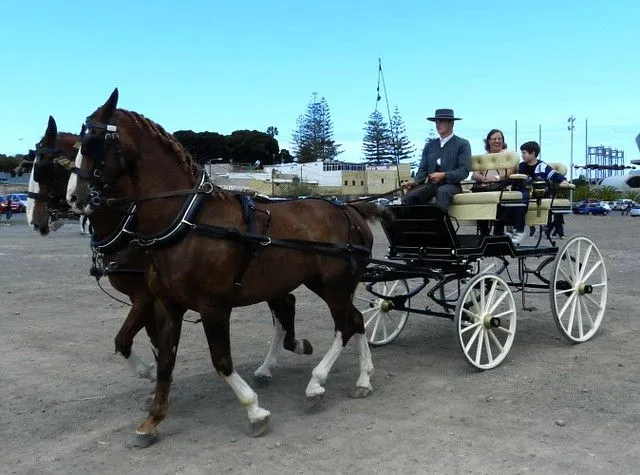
(368, 300)
(569, 279)
(495, 340)
(594, 302)
(469, 327)
(566, 291)
(585, 261)
(504, 330)
(469, 312)
(586, 310)
(472, 339)
(572, 314)
(579, 311)
(395, 284)
(479, 346)
(497, 302)
(474, 300)
(566, 304)
(492, 291)
(384, 325)
(601, 284)
(487, 346)
(369, 310)
(366, 324)
(482, 296)
(577, 261)
(502, 314)
(374, 331)
(593, 269)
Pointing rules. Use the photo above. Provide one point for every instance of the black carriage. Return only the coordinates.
(472, 279)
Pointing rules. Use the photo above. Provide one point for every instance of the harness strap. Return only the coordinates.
(207, 188)
(346, 251)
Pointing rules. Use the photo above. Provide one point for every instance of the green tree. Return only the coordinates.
(376, 144)
(251, 146)
(273, 131)
(632, 194)
(313, 137)
(402, 148)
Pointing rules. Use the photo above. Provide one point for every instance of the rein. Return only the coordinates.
(206, 188)
(388, 193)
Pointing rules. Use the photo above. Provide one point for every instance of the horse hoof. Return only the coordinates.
(258, 428)
(261, 380)
(313, 402)
(361, 392)
(142, 441)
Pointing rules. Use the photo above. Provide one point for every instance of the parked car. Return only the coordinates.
(605, 205)
(635, 211)
(15, 206)
(591, 208)
(21, 199)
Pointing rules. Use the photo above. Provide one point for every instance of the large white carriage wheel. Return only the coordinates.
(382, 322)
(485, 321)
(578, 290)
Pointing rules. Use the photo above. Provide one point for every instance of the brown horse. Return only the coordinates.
(47, 189)
(50, 173)
(205, 257)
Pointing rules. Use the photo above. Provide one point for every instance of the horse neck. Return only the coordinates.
(159, 174)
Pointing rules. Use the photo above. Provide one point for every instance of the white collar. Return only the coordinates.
(445, 140)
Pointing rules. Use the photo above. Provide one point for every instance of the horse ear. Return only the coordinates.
(52, 128)
(110, 106)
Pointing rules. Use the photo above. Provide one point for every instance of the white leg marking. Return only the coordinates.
(366, 364)
(247, 397)
(34, 187)
(320, 372)
(140, 368)
(271, 360)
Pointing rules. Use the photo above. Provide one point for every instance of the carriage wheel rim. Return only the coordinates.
(486, 321)
(579, 309)
(382, 322)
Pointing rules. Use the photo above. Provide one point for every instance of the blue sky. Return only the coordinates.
(223, 66)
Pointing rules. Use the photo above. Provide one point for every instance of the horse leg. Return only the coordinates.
(140, 315)
(348, 322)
(283, 311)
(363, 385)
(216, 327)
(169, 323)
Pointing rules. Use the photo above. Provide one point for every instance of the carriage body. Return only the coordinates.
(471, 279)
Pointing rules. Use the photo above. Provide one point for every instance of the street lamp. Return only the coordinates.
(571, 128)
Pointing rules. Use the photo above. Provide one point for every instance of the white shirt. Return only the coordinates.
(445, 140)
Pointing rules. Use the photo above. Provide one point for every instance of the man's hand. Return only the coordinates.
(437, 176)
(410, 184)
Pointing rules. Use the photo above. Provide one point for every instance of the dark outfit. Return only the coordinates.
(537, 171)
(454, 158)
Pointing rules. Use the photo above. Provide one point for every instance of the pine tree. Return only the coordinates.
(402, 148)
(377, 144)
(313, 137)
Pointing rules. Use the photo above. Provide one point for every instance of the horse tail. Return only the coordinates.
(371, 211)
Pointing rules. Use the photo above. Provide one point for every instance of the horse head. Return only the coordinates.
(50, 169)
(122, 152)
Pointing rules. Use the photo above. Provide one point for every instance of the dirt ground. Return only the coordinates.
(70, 405)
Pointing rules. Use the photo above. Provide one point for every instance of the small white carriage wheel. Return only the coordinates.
(578, 289)
(382, 322)
(485, 321)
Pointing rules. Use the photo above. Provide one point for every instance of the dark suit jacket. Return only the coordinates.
(455, 159)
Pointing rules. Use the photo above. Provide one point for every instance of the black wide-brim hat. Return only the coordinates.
(444, 114)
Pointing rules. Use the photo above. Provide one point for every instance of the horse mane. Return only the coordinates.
(171, 143)
(166, 139)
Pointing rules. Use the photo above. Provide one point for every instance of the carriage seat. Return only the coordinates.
(484, 206)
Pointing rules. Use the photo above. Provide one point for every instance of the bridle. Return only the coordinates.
(97, 146)
(50, 171)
